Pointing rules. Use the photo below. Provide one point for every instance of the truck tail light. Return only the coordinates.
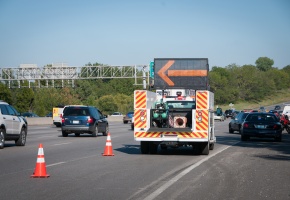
(199, 116)
(142, 115)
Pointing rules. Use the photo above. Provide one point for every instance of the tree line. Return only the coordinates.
(230, 84)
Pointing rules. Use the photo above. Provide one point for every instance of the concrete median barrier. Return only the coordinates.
(48, 120)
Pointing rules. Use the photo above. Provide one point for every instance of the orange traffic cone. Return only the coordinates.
(40, 168)
(108, 148)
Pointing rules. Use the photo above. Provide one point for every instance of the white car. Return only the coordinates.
(220, 118)
(12, 125)
(117, 114)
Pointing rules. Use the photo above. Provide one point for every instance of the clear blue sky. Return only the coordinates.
(128, 32)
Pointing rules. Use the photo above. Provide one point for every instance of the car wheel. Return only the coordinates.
(22, 138)
(64, 134)
(95, 132)
(240, 130)
(231, 130)
(244, 138)
(2, 138)
(125, 122)
(279, 138)
(105, 133)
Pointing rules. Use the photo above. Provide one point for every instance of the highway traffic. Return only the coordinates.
(255, 169)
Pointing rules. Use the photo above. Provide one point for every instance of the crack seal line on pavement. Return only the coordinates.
(184, 172)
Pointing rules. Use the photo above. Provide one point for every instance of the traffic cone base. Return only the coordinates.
(40, 168)
(108, 151)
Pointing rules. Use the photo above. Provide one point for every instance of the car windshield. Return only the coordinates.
(180, 104)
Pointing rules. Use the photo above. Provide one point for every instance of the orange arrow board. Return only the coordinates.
(176, 73)
(187, 72)
(162, 74)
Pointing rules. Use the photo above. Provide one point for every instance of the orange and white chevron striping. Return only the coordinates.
(140, 99)
(140, 118)
(179, 134)
(201, 100)
(203, 125)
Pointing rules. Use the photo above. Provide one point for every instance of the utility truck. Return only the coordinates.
(180, 112)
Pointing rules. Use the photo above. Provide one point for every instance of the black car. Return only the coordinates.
(236, 122)
(277, 107)
(83, 119)
(228, 113)
(262, 125)
(29, 114)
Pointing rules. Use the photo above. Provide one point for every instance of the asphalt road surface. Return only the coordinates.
(255, 169)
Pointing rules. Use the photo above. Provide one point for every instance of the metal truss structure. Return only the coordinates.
(64, 76)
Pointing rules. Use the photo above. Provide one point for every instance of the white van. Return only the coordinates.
(286, 110)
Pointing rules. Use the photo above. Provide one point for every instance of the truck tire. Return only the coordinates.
(201, 148)
(153, 148)
(144, 147)
(2, 138)
(204, 148)
(211, 146)
(22, 138)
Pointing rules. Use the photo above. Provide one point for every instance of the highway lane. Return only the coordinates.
(79, 171)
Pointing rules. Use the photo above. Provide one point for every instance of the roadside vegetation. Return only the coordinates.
(247, 86)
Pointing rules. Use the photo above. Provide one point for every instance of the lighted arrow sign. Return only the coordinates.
(177, 73)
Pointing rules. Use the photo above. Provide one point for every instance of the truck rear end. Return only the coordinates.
(177, 114)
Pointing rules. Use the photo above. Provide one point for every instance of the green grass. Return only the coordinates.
(277, 98)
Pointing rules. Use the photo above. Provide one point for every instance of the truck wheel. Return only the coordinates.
(144, 147)
(153, 148)
(204, 148)
(64, 133)
(22, 138)
(163, 146)
(211, 146)
(2, 138)
(132, 126)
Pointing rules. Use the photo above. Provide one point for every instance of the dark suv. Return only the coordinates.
(12, 125)
(83, 119)
(229, 113)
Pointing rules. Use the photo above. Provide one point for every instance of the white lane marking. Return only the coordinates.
(61, 144)
(59, 163)
(181, 174)
(46, 136)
